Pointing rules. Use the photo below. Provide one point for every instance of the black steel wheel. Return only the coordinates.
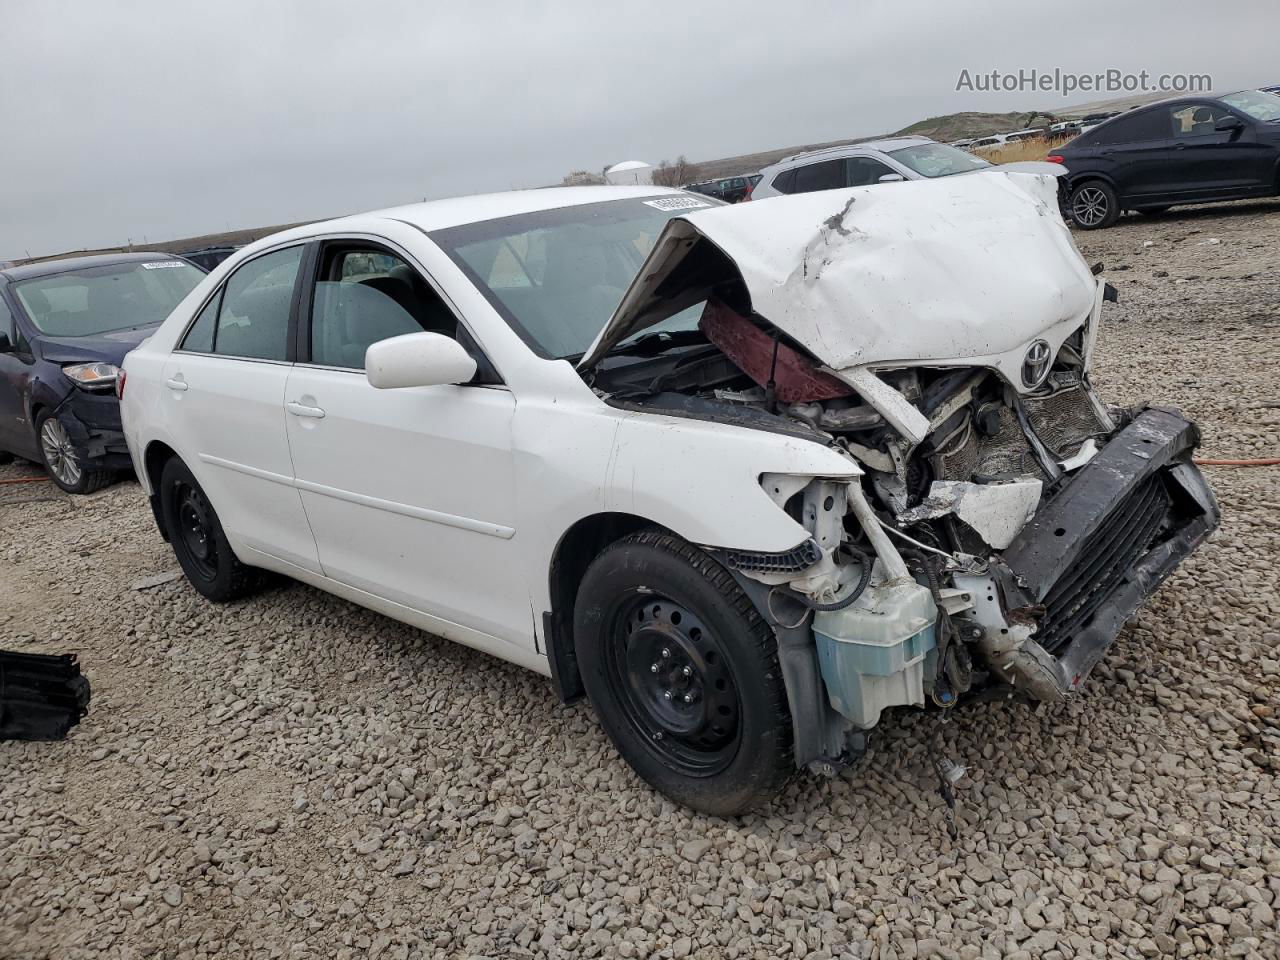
(197, 538)
(683, 674)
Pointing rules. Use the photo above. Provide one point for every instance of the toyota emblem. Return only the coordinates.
(1035, 365)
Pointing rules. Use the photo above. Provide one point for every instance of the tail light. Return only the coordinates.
(120, 378)
(1055, 158)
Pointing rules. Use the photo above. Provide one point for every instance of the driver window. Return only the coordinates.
(1196, 120)
(366, 295)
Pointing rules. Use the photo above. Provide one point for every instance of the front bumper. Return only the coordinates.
(92, 420)
(1103, 544)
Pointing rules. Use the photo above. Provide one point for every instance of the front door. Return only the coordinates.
(1206, 162)
(409, 492)
(224, 395)
(15, 377)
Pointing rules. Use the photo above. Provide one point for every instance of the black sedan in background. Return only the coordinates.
(65, 326)
(1189, 150)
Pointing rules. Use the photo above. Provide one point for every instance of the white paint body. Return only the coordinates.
(443, 505)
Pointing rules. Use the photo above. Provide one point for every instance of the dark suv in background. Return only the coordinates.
(65, 326)
(1189, 150)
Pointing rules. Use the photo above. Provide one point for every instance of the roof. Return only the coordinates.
(890, 143)
(48, 268)
(440, 214)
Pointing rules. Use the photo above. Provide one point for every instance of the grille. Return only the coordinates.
(1065, 418)
(1109, 553)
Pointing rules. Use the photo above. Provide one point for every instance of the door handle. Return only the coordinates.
(176, 383)
(302, 410)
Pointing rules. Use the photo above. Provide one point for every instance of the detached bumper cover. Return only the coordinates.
(1103, 544)
(92, 420)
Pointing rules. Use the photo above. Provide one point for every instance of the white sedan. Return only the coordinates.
(710, 465)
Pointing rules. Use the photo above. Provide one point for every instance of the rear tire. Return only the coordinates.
(1094, 205)
(683, 674)
(198, 541)
(63, 462)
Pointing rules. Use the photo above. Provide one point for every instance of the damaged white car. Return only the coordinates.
(746, 476)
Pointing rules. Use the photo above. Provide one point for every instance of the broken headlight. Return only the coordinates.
(93, 376)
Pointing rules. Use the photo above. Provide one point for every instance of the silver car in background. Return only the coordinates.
(878, 161)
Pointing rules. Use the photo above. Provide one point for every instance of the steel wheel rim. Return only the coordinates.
(195, 530)
(59, 452)
(1089, 206)
(673, 680)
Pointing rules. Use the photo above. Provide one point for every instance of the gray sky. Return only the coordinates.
(170, 119)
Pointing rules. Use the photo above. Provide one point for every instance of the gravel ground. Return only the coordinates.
(294, 776)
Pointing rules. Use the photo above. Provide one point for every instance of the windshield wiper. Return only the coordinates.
(652, 344)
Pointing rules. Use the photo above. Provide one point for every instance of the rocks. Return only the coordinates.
(293, 776)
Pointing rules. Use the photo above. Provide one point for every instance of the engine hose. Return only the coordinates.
(863, 581)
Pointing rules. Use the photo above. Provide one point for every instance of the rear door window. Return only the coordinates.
(1133, 128)
(253, 315)
(825, 175)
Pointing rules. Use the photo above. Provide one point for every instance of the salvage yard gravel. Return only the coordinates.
(293, 776)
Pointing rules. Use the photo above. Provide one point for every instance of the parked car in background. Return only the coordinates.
(206, 258)
(652, 446)
(878, 161)
(1188, 150)
(728, 189)
(1275, 89)
(65, 326)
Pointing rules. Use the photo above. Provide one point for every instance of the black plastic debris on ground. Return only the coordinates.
(41, 696)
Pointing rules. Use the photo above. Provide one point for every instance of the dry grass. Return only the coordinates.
(1024, 150)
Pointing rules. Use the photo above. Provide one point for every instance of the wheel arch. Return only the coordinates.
(585, 539)
(156, 454)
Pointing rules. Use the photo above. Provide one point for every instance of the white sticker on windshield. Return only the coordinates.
(161, 264)
(676, 203)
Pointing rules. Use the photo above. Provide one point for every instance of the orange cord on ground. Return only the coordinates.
(1260, 462)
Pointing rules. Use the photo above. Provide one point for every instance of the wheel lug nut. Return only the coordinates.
(666, 653)
(666, 694)
(687, 671)
(688, 698)
(653, 668)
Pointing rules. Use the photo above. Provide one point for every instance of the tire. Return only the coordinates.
(656, 616)
(1093, 205)
(5, 458)
(196, 535)
(60, 460)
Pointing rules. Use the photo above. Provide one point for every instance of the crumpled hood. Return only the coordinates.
(959, 268)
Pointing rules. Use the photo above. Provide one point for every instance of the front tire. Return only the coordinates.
(63, 462)
(198, 541)
(1094, 205)
(683, 674)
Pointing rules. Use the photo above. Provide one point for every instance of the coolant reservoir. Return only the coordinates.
(872, 653)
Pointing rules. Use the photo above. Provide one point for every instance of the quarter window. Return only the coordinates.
(364, 296)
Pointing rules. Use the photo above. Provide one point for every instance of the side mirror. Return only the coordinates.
(417, 360)
(1228, 124)
(892, 178)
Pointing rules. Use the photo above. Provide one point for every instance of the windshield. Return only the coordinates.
(96, 300)
(558, 275)
(1259, 105)
(937, 159)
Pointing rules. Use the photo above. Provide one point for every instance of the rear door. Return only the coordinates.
(823, 175)
(1136, 150)
(15, 375)
(225, 387)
